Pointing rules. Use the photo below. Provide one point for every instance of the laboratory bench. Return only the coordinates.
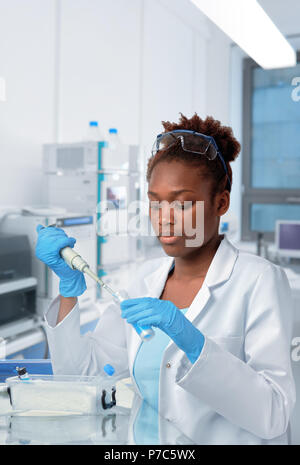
(131, 422)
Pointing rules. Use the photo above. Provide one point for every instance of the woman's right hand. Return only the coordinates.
(49, 244)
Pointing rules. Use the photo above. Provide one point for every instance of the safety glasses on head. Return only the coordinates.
(191, 141)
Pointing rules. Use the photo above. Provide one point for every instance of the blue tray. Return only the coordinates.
(34, 367)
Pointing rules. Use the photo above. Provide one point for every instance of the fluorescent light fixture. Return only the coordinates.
(249, 26)
(2, 90)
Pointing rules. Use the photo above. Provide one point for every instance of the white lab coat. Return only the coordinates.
(241, 389)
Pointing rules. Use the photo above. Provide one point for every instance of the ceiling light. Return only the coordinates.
(249, 26)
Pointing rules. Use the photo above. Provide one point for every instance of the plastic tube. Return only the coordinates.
(75, 261)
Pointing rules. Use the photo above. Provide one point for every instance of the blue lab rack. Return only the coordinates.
(33, 367)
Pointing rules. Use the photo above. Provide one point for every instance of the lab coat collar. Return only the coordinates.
(222, 264)
(219, 270)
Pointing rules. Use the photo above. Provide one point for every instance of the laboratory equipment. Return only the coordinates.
(61, 394)
(94, 178)
(49, 243)
(287, 238)
(261, 246)
(37, 366)
(76, 225)
(26, 339)
(22, 373)
(113, 140)
(93, 133)
(18, 286)
(85, 157)
(83, 192)
(101, 178)
(75, 261)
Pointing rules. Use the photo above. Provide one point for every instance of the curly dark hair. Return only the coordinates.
(224, 138)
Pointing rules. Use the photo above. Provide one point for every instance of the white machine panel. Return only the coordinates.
(80, 192)
(118, 249)
(88, 156)
(74, 193)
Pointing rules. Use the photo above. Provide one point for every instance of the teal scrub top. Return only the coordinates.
(146, 371)
(146, 368)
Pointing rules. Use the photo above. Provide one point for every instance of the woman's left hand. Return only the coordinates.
(165, 315)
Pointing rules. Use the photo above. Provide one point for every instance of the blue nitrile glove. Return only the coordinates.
(50, 241)
(166, 316)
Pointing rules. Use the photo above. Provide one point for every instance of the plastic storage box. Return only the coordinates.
(61, 394)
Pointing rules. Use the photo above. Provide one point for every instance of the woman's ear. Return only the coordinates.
(222, 202)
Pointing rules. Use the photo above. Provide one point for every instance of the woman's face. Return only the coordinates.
(183, 228)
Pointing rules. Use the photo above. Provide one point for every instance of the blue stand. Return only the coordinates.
(33, 367)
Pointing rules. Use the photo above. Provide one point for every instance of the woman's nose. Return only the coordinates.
(166, 216)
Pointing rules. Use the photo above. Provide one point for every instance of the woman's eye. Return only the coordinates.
(184, 205)
(179, 206)
(176, 206)
(154, 207)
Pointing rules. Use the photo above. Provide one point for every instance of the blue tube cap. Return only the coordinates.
(109, 370)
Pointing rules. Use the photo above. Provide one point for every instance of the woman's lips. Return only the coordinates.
(169, 239)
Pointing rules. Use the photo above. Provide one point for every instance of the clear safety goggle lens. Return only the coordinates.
(189, 142)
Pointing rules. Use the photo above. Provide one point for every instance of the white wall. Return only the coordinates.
(285, 14)
(152, 65)
(99, 67)
(26, 118)
(126, 64)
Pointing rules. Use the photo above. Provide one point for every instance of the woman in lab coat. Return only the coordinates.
(219, 365)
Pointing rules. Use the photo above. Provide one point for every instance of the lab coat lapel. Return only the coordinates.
(155, 283)
(219, 271)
